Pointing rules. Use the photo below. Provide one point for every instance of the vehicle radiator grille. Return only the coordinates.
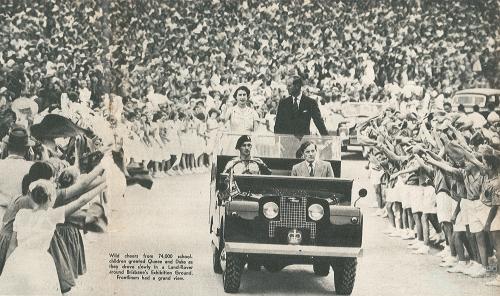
(293, 215)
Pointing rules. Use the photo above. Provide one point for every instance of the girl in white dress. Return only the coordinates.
(174, 143)
(212, 129)
(30, 269)
(191, 143)
(144, 132)
(165, 164)
(157, 146)
(201, 151)
(185, 143)
(132, 142)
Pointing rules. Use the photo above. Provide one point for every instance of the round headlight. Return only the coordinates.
(270, 210)
(316, 212)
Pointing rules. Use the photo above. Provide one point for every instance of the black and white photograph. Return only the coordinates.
(251, 147)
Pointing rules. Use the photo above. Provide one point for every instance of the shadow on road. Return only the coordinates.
(293, 280)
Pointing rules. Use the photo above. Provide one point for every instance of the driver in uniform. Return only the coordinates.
(247, 164)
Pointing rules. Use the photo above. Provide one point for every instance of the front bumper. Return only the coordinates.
(292, 250)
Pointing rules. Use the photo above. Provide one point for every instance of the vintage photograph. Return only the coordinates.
(208, 147)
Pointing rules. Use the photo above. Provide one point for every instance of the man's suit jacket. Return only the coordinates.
(291, 121)
(321, 169)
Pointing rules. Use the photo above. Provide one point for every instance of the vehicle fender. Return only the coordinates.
(247, 210)
(343, 215)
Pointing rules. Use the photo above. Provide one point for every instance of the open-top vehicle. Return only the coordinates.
(278, 220)
(354, 114)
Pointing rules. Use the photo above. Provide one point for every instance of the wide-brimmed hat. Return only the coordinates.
(18, 138)
(24, 105)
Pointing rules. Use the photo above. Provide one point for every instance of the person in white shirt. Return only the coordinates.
(478, 120)
(493, 116)
(14, 167)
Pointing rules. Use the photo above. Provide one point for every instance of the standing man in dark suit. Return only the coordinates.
(311, 166)
(295, 112)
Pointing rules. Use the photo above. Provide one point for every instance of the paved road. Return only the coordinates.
(173, 218)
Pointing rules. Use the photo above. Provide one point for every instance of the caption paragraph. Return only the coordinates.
(149, 267)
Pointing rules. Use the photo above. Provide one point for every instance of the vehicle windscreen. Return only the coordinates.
(280, 146)
(469, 100)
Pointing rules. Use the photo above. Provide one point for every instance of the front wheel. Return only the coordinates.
(231, 275)
(344, 275)
(216, 261)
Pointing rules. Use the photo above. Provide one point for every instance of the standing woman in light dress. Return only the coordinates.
(174, 143)
(30, 269)
(242, 118)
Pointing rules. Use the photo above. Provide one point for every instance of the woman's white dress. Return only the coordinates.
(30, 269)
(132, 142)
(188, 137)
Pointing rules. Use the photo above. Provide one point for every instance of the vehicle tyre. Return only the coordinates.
(321, 268)
(344, 270)
(253, 266)
(231, 277)
(273, 267)
(216, 261)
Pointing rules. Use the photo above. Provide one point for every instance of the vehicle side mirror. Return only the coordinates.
(362, 192)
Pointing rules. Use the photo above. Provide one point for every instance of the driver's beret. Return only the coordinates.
(242, 140)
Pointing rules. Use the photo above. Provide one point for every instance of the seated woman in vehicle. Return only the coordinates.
(245, 163)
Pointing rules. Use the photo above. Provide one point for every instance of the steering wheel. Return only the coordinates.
(230, 169)
(233, 187)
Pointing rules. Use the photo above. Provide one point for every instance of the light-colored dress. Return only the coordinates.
(188, 137)
(174, 142)
(241, 120)
(132, 142)
(30, 269)
(157, 149)
(201, 137)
